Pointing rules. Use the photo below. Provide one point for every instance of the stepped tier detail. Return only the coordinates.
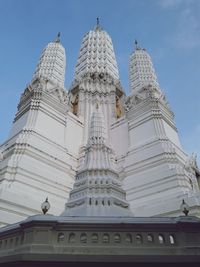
(97, 189)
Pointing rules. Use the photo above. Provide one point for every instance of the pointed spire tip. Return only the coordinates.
(98, 27)
(136, 44)
(137, 47)
(58, 38)
(97, 21)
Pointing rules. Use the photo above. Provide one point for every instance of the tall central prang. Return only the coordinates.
(96, 80)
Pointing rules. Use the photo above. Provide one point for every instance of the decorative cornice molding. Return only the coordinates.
(146, 92)
(101, 83)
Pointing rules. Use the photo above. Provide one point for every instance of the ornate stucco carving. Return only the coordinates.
(52, 64)
(96, 55)
(146, 92)
(97, 186)
(43, 85)
(141, 70)
(191, 162)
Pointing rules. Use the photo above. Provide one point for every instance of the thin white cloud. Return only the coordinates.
(169, 3)
(186, 31)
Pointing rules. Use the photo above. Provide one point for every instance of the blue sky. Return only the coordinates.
(168, 29)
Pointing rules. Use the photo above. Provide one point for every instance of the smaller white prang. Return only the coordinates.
(141, 71)
(51, 65)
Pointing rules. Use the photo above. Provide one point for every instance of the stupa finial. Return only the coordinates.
(98, 27)
(97, 21)
(136, 45)
(58, 38)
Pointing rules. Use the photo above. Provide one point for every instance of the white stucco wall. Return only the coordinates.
(119, 136)
(171, 134)
(141, 133)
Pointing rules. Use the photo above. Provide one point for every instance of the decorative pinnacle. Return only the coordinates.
(136, 44)
(98, 25)
(97, 22)
(45, 206)
(58, 38)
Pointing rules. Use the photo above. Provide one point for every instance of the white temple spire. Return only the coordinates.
(97, 189)
(51, 65)
(141, 70)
